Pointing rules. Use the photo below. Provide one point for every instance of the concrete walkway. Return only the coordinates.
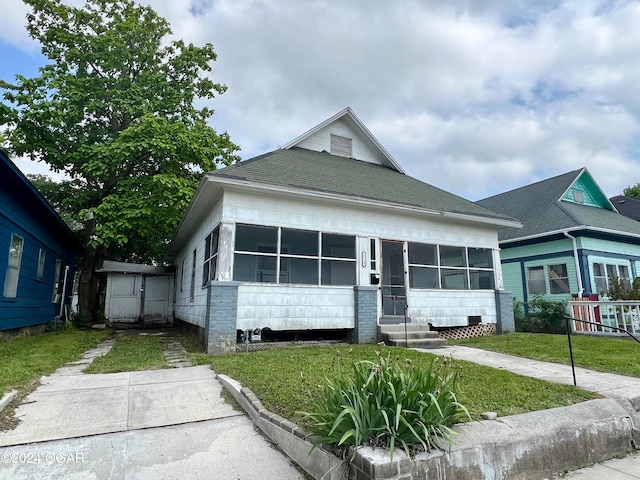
(617, 387)
(157, 424)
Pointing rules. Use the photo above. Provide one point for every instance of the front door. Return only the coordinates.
(394, 290)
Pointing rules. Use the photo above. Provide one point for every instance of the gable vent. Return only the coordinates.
(578, 196)
(341, 146)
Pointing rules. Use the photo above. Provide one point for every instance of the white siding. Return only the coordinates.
(321, 142)
(290, 307)
(194, 311)
(302, 307)
(361, 221)
(447, 308)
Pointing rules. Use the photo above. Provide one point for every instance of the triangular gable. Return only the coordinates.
(345, 135)
(585, 191)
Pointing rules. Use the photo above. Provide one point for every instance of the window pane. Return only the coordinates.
(299, 270)
(299, 242)
(480, 258)
(256, 239)
(339, 246)
(205, 273)
(214, 241)
(452, 257)
(13, 266)
(41, 262)
(611, 271)
(423, 277)
(254, 268)
(601, 285)
(536, 280)
(481, 280)
(207, 247)
(422, 254)
(625, 280)
(558, 281)
(598, 269)
(454, 279)
(338, 272)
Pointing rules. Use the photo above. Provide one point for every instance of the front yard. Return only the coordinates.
(605, 354)
(286, 380)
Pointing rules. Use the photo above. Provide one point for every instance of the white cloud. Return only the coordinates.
(474, 96)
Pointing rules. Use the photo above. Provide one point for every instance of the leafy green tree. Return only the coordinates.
(633, 192)
(114, 110)
(60, 197)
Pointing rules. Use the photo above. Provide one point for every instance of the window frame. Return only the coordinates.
(192, 288)
(211, 248)
(285, 257)
(543, 279)
(557, 281)
(12, 275)
(442, 271)
(42, 260)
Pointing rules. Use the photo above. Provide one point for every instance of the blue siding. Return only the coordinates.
(25, 213)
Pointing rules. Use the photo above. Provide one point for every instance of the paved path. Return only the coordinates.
(614, 386)
(157, 424)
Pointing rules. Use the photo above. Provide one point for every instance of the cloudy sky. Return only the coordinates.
(473, 96)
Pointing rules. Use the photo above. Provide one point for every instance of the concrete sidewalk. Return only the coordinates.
(616, 387)
(157, 424)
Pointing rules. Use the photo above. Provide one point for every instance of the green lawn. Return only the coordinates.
(617, 355)
(23, 359)
(131, 352)
(286, 380)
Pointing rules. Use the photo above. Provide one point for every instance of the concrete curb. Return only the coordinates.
(7, 398)
(528, 446)
(289, 437)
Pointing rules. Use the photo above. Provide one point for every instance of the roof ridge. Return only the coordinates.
(531, 185)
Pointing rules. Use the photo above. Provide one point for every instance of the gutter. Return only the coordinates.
(575, 258)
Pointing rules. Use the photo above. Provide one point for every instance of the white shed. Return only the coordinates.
(138, 293)
(329, 233)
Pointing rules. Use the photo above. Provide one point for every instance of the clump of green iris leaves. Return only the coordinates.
(387, 403)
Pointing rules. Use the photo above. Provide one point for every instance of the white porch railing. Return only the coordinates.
(624, 315)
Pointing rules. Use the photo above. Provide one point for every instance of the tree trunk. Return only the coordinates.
(89, 288)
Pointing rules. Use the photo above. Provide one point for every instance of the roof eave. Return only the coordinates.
(570, 230)
(498, 222)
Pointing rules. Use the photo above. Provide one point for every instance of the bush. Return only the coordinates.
(388, 403)
(547, 316)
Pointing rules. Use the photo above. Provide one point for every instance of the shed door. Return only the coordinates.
(124, 301)
(156, 296)
(394, 290)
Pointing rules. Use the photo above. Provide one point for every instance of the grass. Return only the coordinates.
(23, 359)
(604, 354)
(131, 353)
(287, 379)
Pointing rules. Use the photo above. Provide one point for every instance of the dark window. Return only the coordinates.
(558, 278)
(210, 257)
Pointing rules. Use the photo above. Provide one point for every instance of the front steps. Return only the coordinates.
(417, 336)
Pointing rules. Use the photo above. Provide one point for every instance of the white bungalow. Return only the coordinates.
(329, 233)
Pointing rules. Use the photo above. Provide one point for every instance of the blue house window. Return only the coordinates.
(13, 266)
(41, 261)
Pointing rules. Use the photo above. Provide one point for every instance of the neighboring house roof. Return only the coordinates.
(567, 202)
(124, 267)
(14, 183)
(304, 168)
(627, 206)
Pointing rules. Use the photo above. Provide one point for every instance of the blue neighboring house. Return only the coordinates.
(37, 254)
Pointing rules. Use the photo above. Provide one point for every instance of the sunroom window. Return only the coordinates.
(290, 256)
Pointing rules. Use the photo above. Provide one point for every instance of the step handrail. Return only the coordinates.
(567, 319)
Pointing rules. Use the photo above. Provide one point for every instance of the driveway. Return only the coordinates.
(158, 424)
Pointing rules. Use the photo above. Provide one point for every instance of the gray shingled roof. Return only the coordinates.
(322, 172)
(539, 209)
(627, 206)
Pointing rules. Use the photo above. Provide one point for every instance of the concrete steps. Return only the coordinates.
(417, 336)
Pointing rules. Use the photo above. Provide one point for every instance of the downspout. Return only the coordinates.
(575, 258)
